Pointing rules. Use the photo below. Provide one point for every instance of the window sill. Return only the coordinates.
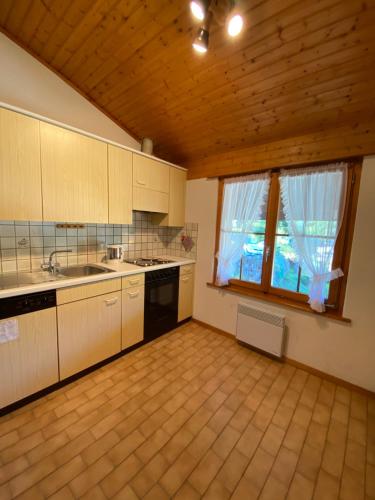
(283, 301)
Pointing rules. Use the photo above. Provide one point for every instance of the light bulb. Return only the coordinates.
(200, 43)
(197, 10)
(199, 48)
(235, 25)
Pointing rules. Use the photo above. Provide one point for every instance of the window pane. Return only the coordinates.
(259, 226)
(286, 272)
(252, 258)
(282, 226)
(285, 265)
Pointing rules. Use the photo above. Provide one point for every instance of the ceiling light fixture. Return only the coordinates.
(235, 20)
(235, 25)
(198, 9)
(200, 43)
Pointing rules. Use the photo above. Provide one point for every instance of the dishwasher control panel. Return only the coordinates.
(24, 304)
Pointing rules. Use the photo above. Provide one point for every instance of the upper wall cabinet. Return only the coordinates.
(150, 185)
(120, 185)
(74, 176)
(20, 177)
(177, 195)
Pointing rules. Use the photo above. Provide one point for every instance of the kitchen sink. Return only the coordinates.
(14, 280)
(82, 270)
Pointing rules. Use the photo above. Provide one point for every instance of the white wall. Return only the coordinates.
(345, 351)
(28, 84)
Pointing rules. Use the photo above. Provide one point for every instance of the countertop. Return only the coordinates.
(119, 269)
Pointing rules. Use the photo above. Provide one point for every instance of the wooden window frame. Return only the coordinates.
(264, 290)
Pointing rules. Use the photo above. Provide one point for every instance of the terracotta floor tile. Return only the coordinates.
(300, 488)
(327, 487)
(274, 489)
(259, 468)
(226, 441)
(205, 472)
(192, 415)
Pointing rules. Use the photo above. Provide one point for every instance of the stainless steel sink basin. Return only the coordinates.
(82, 270)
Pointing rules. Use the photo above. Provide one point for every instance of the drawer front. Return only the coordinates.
(133, 280)
(132, 315)
(185, 296)
(187, 269)
(80, 292)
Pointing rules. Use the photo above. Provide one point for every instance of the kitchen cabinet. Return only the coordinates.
(133, 298)
(120, 185)
(89, 331)
(29, 363)
(74, 176)
(186, 292)
(177, 196)
(20, 172)
(150, 184)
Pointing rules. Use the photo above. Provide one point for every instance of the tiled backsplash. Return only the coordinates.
(23, 245)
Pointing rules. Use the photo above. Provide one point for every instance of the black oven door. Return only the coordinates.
(161, 302)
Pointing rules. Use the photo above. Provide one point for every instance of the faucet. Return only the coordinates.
(51, 268)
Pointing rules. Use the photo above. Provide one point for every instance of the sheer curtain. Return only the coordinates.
(313, 203)
(243, 201)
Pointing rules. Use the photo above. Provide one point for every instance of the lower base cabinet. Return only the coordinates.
(133, 299)
(185, 293)
(89, 332)
(29, 363)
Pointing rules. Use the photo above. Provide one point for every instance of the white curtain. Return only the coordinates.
(244, 198)
(313, 202)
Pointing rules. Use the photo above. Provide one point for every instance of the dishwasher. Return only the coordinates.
(28, 345)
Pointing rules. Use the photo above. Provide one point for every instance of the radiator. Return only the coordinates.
(261, 329)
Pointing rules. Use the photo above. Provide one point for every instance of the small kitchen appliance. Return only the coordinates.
(115, 252)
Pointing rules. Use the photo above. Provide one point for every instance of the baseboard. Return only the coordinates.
(213, 328)
(298, 364)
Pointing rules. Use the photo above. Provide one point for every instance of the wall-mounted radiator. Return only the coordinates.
(261, 329)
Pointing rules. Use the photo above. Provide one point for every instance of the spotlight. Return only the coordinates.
(200, 43)
(198, 9)
(235, 25)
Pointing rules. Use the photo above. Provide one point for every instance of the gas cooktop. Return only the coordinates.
(148, 262)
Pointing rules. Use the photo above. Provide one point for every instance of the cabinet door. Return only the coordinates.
(177, 196)
(150, 174)
(20, 173)
(74, 176)
(29, 363)
(133, 300)
(89, 332)
(185, 296)
(150, 185)
(120, 182)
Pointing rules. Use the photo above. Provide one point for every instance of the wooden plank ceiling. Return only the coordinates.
(301, 66)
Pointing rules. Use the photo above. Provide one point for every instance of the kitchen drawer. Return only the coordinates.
(185, 296)
(71, 294)
(186, 269)
(133, 300)
(133, 280)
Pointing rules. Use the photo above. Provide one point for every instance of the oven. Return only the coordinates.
(161, 301)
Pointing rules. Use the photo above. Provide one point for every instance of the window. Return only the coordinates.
(287, 234)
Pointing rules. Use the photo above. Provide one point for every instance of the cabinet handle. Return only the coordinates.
(185, 278)
(133, 294)
(134, 281)
(142, 183)
(110, 302)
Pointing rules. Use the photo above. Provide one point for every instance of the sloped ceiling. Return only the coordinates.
(300, 66)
